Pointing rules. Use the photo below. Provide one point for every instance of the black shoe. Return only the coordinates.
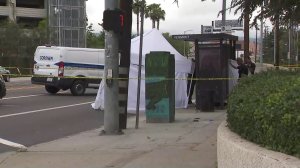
(190, 102)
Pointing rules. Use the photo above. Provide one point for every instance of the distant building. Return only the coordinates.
(67, 22)
(26, 12)
(66, 18)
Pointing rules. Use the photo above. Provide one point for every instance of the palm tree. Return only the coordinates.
(136, 8)
(152, 11)
(247, 7)
(281, 13)
(160, 16)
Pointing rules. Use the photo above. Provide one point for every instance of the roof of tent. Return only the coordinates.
(153, 40)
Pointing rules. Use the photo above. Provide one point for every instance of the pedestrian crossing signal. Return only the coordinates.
(114, 20)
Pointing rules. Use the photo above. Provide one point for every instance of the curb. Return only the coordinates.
(233, 152)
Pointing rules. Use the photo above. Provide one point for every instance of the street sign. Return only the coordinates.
(181, 37)
(232, 23)
(225, 29)
(207, 29)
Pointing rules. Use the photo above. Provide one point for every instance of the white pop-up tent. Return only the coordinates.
(153, 41)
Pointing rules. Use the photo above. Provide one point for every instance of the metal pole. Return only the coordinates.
(224, 13)
(255, 45)
(184, 47)
(261, 36)
(276, 42)
(111, 70)
(48, 21)
(85, 23)
(125, 45)
(140, 66)
(296, 59)
(289, 52)
(275, 46)
(59, 31)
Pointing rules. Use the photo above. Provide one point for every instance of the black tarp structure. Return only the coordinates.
(212, 53)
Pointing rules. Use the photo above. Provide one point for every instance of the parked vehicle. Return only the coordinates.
(68, 68)
(5, 74)
(2, 87)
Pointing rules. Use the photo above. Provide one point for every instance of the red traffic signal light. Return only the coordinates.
(113, 20)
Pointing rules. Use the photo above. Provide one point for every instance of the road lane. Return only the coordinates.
(42, 110)
(12, 105)
(29, 115)
(43, 127)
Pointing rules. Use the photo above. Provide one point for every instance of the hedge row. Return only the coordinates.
(265, 109)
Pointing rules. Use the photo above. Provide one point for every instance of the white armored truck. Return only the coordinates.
(68, 68)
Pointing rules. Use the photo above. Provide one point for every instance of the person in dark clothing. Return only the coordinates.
(242, 68)
(251, 66)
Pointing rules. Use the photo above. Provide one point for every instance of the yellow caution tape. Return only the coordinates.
(135, 78)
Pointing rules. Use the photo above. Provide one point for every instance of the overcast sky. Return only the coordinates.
(188, 16)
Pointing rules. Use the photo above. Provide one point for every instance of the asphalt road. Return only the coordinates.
(29, 116)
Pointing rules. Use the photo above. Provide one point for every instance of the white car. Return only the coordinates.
(5, 74)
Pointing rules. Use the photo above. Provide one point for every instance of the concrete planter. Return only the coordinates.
(235, 152)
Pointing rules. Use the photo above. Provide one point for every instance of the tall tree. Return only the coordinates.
(11, 38)
(177, 44)
(152, 11)
(280, 13)
(287, 10)
(247, 7)
(94, 40)
(160, 16)
(136, 8)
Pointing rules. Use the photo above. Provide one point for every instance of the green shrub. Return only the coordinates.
(265, 109)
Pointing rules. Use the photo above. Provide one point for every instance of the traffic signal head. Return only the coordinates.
(114, 20)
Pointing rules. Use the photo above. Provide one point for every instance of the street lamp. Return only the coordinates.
(184, 41)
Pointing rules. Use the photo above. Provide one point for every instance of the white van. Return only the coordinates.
(68, 68)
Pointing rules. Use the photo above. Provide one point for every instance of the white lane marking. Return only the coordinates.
(21, 148)
(42, 110)
(18, 97)
(22, 88)
(8, 98)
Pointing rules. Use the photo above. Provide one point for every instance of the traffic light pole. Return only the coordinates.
(111, 70)
(125, 45)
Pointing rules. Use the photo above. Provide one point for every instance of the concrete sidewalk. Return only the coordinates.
(189, 142)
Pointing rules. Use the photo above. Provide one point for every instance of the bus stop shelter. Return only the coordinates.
(212, 55)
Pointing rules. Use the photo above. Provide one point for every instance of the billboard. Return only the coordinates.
(232, 23)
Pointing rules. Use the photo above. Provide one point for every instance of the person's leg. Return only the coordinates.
(188, 91)
(192, 91)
